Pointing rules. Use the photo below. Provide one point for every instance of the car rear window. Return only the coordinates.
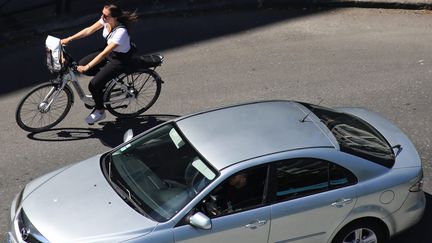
(355, 136)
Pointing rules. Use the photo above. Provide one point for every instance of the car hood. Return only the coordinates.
(407, 156)
(77, 204)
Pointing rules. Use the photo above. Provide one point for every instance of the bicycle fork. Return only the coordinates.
(44, 106)
(52, 95)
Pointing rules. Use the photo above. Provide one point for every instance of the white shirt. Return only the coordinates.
(119, 36)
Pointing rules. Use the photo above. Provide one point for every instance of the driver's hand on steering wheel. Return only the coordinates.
(213, 210)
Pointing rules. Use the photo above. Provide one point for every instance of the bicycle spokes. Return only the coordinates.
(43, 107)
(133, 94)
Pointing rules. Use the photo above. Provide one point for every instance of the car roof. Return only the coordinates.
(232, 134)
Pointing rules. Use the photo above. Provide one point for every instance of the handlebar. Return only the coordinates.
(69, 59)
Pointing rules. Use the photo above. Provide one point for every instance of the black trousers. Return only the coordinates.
(103, 72)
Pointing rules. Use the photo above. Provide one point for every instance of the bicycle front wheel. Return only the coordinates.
(133, 93)
(43, 107)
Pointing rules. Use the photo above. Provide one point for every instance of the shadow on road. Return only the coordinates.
(111, 134)
(151, 34)
(419, 232)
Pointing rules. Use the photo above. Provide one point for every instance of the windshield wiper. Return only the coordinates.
(121, 189)
(124, 193)
(399, 149)
(106, 166)
(109, 170)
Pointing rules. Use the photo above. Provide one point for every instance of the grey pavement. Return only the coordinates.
(374, 58)
(20, 20)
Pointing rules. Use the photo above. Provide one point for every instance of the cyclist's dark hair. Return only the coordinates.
(124, 17)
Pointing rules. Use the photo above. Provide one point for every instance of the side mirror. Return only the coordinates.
(128, 135)
(200, 221)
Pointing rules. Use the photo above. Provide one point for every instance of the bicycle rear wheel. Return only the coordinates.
(133, 93)
(43, 107)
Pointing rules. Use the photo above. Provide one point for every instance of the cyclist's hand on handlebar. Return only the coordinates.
(65, 41)
(82, 69)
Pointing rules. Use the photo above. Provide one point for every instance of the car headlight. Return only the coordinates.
(19, 201)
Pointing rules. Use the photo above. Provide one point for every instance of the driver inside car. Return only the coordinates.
(235, 194)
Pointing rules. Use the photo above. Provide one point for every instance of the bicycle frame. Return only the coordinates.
(71, 77)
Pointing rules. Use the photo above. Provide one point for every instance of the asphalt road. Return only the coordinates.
(379, 59)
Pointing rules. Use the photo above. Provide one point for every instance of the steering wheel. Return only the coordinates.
(210, 206)
(194, 185)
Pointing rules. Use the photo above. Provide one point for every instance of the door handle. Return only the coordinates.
(342, 202)
(255, 224)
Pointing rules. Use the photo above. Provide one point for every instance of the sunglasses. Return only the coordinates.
(104, 16)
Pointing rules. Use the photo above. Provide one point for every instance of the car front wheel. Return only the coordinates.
(361, 232)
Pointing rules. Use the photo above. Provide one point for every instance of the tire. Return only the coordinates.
(30, 114)
(145, 87)
(361, 232)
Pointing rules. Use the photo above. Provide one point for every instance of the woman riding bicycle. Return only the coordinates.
(108, 63)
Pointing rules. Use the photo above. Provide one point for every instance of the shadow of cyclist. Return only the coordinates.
(111, 134)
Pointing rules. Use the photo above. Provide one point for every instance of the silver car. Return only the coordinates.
(268, 171)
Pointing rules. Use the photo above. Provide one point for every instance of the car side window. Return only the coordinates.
(340, 177)
(301, 177)
(242, 191)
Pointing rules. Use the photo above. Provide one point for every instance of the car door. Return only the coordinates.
(251, 226)
(311, 198)
(247, 220)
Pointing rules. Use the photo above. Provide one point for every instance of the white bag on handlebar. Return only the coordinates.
(54, 54)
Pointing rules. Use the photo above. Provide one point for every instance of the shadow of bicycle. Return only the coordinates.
(111, 134)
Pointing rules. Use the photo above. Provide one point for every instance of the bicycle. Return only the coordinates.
(128, 95)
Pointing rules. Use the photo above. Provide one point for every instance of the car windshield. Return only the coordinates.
(356, 136)
(158, 173)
